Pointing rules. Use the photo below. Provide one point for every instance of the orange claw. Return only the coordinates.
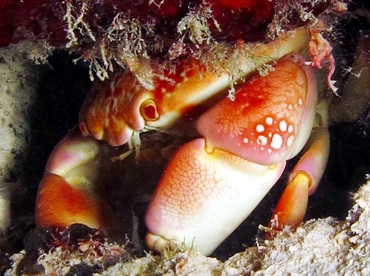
(211, 185)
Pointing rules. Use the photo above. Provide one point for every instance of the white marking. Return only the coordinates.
(290, 129)
(300, 102)
(270, 135)
(283, 126)
(260, 128)
(245, 140)
(277, 141)
(290, 107)
(290, 140)
(269, 150)
(262, 140)
(269, 121)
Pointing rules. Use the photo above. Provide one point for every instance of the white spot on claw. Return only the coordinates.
(277, 141)
(261, 140)
(283, 126)
(269, 121)
(260, 128)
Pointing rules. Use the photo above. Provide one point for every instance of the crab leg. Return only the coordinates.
(211, 185)
(68, 191)
(306, 175)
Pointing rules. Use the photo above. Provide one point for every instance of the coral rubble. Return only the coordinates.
(324, 246)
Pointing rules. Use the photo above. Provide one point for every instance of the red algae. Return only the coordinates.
(108, 34)
(51, 19)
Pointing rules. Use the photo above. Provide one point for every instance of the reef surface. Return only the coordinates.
(319, 246)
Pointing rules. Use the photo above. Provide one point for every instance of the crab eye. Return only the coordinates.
(148, 110)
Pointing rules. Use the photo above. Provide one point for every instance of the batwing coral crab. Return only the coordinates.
(212, 183)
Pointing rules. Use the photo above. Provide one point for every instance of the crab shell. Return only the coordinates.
(114, 111)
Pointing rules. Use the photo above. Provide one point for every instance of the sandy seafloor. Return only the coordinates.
(327, 245)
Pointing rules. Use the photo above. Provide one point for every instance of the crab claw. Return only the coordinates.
(67, 193)
(211, 185)
(200, 193)
(305, 177)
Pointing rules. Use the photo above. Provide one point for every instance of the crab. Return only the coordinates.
(213, 182)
